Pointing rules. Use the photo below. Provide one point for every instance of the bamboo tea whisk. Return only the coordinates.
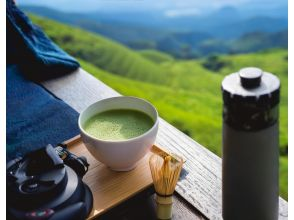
(165, 171)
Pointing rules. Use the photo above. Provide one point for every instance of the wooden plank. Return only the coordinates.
(201, 183)
(184, 210)
(79, 89)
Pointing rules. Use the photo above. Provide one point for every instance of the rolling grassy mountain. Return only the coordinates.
(185, 92)
(102, 52)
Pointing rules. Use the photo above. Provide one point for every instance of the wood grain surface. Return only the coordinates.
(200, 183)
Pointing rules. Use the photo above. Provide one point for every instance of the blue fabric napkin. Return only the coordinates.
(34, 117)
(37, 56)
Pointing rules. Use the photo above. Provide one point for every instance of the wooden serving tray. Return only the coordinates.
(111, 188)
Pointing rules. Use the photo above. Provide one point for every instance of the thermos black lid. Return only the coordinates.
(251, 84)
(250, 77)
(251, 98)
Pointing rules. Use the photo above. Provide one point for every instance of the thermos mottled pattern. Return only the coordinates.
(250, 145)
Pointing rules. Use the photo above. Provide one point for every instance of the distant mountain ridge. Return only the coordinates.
(254, 24)
(223, 31)
(259, 41)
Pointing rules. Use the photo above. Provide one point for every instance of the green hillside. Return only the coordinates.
(156, 56)
(102, 52)
(186, 93)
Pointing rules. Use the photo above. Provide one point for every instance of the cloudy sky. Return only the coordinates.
(171, 6)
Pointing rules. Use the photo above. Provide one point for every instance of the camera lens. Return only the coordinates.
(30, 186)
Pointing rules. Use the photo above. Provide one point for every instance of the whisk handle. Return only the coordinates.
(164, 206)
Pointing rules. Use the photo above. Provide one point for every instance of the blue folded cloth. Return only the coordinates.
(34, 116)
(37, 56)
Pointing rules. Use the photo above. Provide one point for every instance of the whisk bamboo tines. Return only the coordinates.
(165, 171)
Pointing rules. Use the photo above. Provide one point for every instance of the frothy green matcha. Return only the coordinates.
(119, 124)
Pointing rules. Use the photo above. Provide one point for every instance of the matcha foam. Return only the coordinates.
(121, 124)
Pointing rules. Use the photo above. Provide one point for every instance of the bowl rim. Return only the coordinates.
(126, 140)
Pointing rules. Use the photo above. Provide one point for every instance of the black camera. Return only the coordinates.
(47, 184)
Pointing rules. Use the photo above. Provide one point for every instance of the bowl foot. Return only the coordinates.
(124, 169)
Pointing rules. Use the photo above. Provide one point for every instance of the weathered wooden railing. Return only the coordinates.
(200, 184)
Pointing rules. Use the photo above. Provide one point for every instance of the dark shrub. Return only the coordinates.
(213, 63)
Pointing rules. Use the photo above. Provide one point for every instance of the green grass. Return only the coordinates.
(185, 93)
(284, 177)
(156, 56)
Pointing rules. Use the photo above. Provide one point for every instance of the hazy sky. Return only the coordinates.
(189, 6)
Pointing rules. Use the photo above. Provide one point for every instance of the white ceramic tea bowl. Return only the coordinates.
(121, 155)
